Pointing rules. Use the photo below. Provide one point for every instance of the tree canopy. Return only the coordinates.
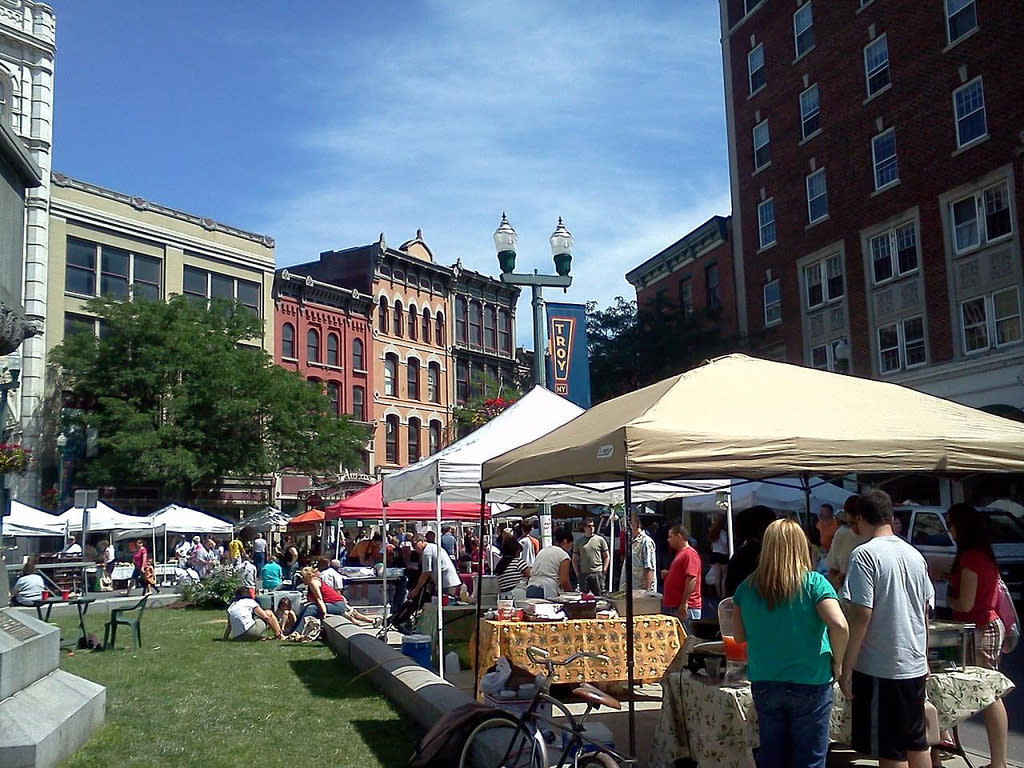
(631, 348)
(180, 396)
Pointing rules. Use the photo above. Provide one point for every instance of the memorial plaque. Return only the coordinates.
(16, 629)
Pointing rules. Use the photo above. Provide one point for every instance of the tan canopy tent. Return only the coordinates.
(742, 417)
(738, 416)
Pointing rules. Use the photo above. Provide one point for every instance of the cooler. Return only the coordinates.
(417, 648)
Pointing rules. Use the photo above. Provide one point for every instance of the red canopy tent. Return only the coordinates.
(368, 503)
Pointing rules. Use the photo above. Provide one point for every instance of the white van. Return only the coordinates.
(926, 529)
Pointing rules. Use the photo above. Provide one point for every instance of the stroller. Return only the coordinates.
(402, 618)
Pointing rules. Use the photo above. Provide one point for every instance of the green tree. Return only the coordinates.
(631, 348)
(178, 398)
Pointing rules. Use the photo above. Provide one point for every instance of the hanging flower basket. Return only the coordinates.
(477, 413)
(14, 459)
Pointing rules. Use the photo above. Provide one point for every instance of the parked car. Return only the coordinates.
(926, 529)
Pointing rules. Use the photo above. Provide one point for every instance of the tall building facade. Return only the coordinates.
(875, 160)
(409, 359)
(325, 334)
(694, 274)
(27, 46)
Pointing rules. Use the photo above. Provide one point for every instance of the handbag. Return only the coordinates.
(931, 724)
(1008, 615)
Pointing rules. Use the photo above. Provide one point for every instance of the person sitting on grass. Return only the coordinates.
(247, 620)
(285, 615)
(322, 599)
(272, 575)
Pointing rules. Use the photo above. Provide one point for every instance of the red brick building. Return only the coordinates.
(875, 159)
(324, 332)
(694, 273)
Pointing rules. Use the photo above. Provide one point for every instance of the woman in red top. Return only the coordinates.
(322, 599)
(973, 588)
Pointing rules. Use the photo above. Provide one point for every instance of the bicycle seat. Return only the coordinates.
(595, 696)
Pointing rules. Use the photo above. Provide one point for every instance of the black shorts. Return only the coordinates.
(888, 716)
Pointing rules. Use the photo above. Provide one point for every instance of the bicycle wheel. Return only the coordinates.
(500, 742)
(597, 760)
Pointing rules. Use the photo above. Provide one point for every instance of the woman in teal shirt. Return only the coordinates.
(796, 636)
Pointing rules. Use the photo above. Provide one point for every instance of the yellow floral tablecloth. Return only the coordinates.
(656, 641)
(717, 725)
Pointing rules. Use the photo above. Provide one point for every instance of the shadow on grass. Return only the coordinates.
(390, 745)
(331, 678)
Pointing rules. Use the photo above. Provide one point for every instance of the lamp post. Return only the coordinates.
(505, 241)
(64, 470)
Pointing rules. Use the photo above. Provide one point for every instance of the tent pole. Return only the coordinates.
(805, 483)
(611, 548)
(628, 565)
(479, 601)
(384, 560)
(439, 586)
(728, 525)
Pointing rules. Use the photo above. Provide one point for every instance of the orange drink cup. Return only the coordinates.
(734, 651)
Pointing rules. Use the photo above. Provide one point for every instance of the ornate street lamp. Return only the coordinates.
(505, 241)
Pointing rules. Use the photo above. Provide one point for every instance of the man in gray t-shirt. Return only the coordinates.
(886, 663)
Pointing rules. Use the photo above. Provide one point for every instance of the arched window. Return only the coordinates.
(312, 346)
(414, 321)
(504, 332)
(391, 439)
(332, 349)
(357, 355)
(426, 325)
(358, 403)
(435, 437)
(5, 100)
(439, 337)
(434, 383)
(288, 341)
(461, 315)
(383, 312)
(334, 397)
(391, 376)
(475, 321)
(414, 440)
(490, 321)
(399, 325)
(412, 377)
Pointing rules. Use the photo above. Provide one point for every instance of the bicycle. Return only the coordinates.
(530, 740)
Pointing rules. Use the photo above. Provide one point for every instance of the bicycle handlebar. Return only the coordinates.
(540, 656)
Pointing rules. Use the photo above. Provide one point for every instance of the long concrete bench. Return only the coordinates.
(417, 692)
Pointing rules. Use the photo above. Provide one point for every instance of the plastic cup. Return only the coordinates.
(65, 595)
(45, 595)
(734, 651)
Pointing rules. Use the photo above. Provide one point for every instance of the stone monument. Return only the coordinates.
(45, 712)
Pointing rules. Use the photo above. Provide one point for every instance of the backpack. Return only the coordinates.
(442, 744)
(1008, 615)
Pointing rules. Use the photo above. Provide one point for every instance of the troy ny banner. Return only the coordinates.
(569, 363)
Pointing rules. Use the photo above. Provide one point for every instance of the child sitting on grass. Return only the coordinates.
(285, 615)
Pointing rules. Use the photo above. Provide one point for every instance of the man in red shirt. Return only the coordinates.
(681, 591)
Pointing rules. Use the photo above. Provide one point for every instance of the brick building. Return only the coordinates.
(694, 273)
(874, 153)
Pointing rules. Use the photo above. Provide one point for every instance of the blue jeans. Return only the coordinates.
(792, 719)
(312, 609)
(259, 559)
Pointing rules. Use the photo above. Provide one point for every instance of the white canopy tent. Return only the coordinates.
(29, 521)
(738, 416)
(266, 520)
(175, 519)
(103, 518)
(787, 494)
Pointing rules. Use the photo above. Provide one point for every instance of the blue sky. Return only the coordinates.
(324, 123)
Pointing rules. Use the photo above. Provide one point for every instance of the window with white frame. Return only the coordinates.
(961, 18)
(772, 303)
(992, 320)
(981, 217)
(824, 357)
(823, 281)
(901, 345)
(391, 375)
(357, 355)
(883, 158)
(762, 151)
(755, 68)
(766, 223)
(434, 382)
(969, 107)
(288, 341)
(876, 64)
(118, 273)
(894, 252)
(810, 111)
(817, 196)
(803, 29)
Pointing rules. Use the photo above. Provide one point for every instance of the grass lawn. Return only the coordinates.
(188, 698)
